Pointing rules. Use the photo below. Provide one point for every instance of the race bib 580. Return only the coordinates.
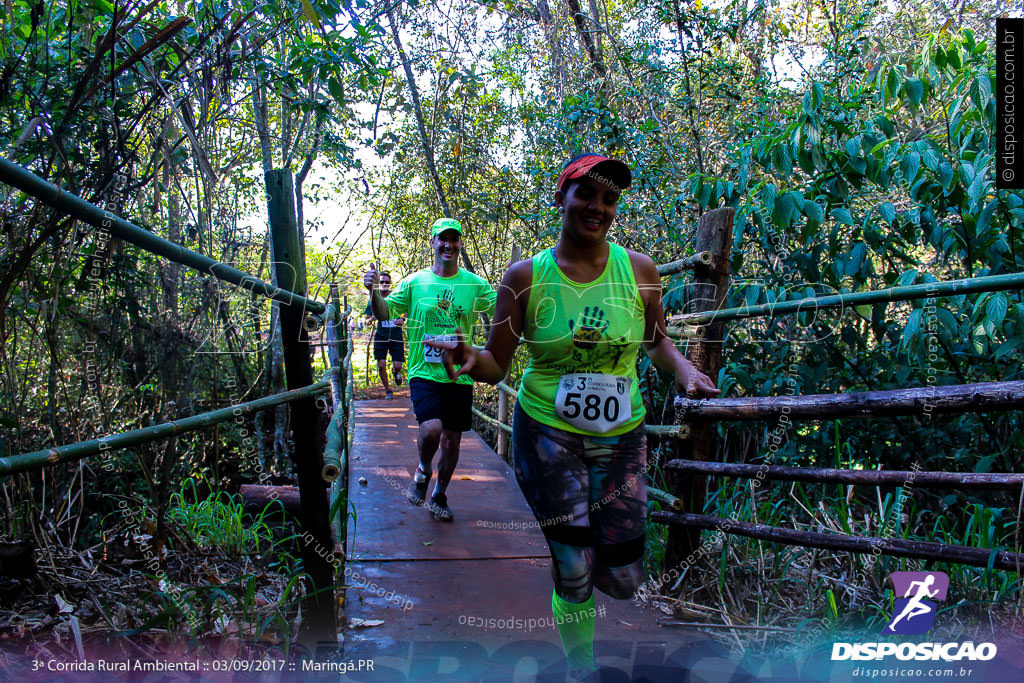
(594, 402)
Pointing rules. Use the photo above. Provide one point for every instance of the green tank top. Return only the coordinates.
(583, 340)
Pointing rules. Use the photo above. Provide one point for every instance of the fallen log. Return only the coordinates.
(257, 497)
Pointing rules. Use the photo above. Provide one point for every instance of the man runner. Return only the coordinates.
(442, 303)
(388, 339)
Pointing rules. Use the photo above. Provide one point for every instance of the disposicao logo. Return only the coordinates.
(914, 614)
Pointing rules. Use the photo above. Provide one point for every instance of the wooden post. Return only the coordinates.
(707, 292)
(503, 406)
(319, 607)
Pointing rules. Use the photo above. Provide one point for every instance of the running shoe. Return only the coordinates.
(388, 395)
(418, 489)
(398, 379)
(439, 506)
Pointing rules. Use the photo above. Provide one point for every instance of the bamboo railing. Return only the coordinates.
(299, 316)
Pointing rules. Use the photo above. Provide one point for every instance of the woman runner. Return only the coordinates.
(584, 308)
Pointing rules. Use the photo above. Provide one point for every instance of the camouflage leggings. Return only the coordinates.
(589, 495)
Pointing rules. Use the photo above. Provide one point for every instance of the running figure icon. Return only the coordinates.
(913, 611)
(915, 607)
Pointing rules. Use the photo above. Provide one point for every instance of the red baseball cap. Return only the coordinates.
(599, 167)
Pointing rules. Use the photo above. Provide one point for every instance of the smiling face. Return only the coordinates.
(446, 246)
(385, 284)
(589, 207)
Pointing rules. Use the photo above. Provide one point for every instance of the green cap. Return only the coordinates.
(442, 224)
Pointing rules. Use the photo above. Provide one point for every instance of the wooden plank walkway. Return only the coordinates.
(469, 600)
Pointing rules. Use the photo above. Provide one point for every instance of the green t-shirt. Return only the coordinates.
(438, 308)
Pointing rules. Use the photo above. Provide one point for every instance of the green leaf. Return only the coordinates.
(985, 218)
(813, 211)
(842, 215)
(985, 464)
(888, 212)
(910, 166)
(948, 321)
(913, 325)
(906, 278)
(768, 197)
(976, 187)
(995, 309)
(336, 90)
(978, 339)
(915, 91)
(864, 311)
(781, 160)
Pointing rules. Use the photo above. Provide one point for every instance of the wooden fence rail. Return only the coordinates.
(896, 547)
(827, 475)
(957, 398)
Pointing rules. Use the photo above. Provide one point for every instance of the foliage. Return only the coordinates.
(854, 138)
(218, 521)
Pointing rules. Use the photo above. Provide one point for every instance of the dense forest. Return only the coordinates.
(854, 139)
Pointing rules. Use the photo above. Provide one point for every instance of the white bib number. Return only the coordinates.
(432, 355)
(594, 402)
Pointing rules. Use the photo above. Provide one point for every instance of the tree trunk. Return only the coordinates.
(550, 27)
(587, 38)
(428, 151)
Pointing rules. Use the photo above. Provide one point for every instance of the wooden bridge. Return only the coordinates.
(468, 600)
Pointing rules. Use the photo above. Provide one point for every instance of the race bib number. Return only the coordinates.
(432, 355)
(594, 402)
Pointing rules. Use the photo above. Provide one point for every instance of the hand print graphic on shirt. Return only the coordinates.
(445, 299)
(587, 330)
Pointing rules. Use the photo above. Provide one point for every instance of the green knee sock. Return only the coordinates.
(575, 623)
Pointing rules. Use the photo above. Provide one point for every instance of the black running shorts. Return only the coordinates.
(381, 348)
(446, 401)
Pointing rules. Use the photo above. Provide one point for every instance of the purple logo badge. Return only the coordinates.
(914, 612)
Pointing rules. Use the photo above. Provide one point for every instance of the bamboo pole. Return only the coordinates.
(77, 451)
(335, 458)
(339, 522)
(701, 258)
(667, 498)
(678, 431)
(987, 283)
(314, 321)
(707, 291)
(925, 550)
(53, 196)
(956, 398)
(334, 454)
(502, 419)
(490, 420)
(513, 393)
(338, 498)
(319, 607)
(825, 475)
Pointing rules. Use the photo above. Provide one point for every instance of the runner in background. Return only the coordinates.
(584, 308)
(441, 302)
(388, 338)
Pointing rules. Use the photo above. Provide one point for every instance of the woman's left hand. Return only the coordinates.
(692, 382)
